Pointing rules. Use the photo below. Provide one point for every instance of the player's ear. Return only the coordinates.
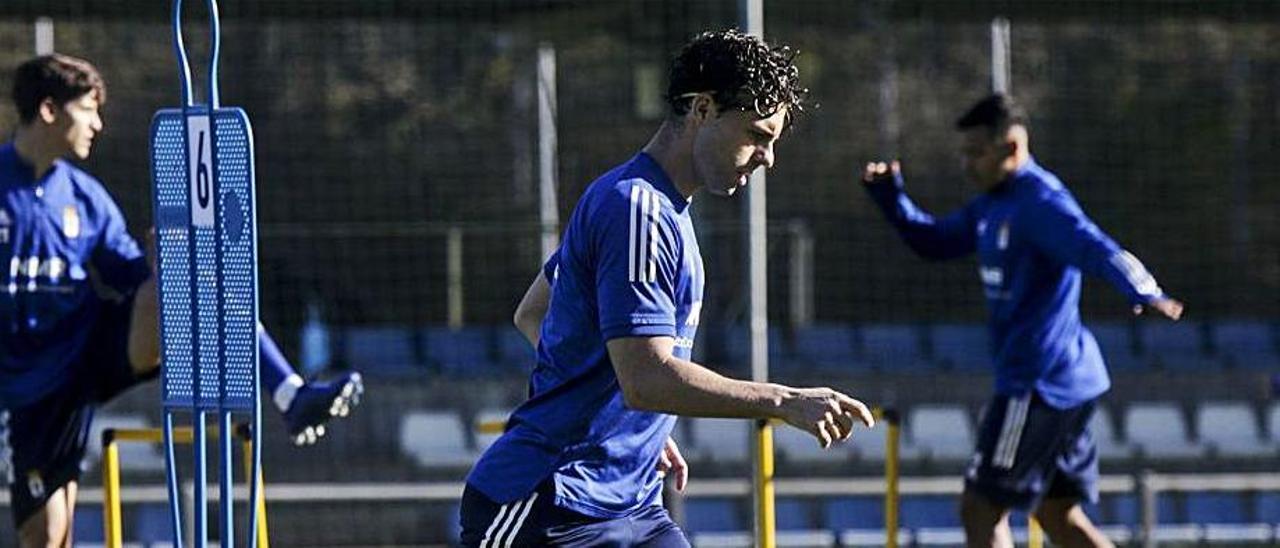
(47, 112)
(702, 107)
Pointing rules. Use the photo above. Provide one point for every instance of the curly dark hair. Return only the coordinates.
(740, 71)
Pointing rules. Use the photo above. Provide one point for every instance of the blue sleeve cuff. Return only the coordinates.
(638, 330)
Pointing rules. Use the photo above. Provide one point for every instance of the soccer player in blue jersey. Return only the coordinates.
(78, 320)
(613, 315)
(1034, 450)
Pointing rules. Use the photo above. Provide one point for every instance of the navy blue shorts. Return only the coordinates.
(536, 521)
(47, 439)
(1028, 451)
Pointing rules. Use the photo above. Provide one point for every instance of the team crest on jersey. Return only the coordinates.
(71, 222)
(1002, 237)
(35, 484)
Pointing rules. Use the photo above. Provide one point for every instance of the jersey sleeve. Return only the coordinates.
(118, 259)
(930, 237)
(1060, 229)
(636, 248)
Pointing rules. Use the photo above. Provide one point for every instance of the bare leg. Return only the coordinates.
(1068, 526)
(986, 525)
(50, 527)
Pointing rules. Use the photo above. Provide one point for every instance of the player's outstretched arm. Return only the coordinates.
(652, 378)
(932, 238)
(533, 308)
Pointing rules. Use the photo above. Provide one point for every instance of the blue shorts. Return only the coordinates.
(536, 521)
(1028, 451)
(47, 439)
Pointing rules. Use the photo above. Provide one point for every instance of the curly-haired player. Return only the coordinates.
(613, 314)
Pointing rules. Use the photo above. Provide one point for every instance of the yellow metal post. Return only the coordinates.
(111, 475)
(765, 533)
(1035, 535)
(893, 438)
(111, 490)
(246, 450)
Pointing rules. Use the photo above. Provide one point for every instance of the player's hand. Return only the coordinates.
(1165, 306)
(881, 172)
(826, 414)
(671, 461)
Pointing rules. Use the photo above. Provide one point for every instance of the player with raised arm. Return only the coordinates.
(1034, 450)
(614, 312)
(78, 311)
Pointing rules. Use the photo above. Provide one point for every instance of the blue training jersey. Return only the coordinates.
(629, 266)
(55, 233)
(1032, 241)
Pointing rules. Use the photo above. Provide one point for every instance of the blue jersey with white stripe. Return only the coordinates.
(1033, 241)
(629, 266)
(55, 233)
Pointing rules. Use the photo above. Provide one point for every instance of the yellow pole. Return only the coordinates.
(111, 490)
(1035, 535)
(247, 452)
(894, 436)
(764, 485)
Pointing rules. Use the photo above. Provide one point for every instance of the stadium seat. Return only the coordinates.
(1266, 508)
(151, 523)
(1250, 534)
(1119, 345)
(1231, 429)
(87, 527)
(738, 346)
(857, 512)
(871, 538)
(514, 351)
(1177, 345)
(800, 447)
(725, 441)
(804, 539)
(1250, 345)
(941, 432)
(463, 352)
(962, 347)
(1110, 446)
(489, 415)
(829, 347)
(893, 348)
(382, 350)
(733, 539)
(435, 439)
(134, 456)
(1159, 431)
(1215, 508)
(1126, 509)
(929, 511)
(712, 514)
(793, 514)
(1273, 423)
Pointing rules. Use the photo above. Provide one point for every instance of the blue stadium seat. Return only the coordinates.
(514, 351)
(829, 347)
(152, 523)
(712, 515)
(1245, 344)
(464, 352)
(1266, 508)
(382, 350)
(1215, 508)
(738, 348)
(962, 347)
(932, 511)
(793, 513)
(1119, 345)
(1176, 346)
(892, 348)
(860, 512)
(1126, 509)
(88, 524)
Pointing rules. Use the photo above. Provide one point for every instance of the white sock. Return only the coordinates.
(286, 391)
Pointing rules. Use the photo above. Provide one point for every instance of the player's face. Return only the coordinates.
(77, 123)
(984, 157)
(730, 146)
